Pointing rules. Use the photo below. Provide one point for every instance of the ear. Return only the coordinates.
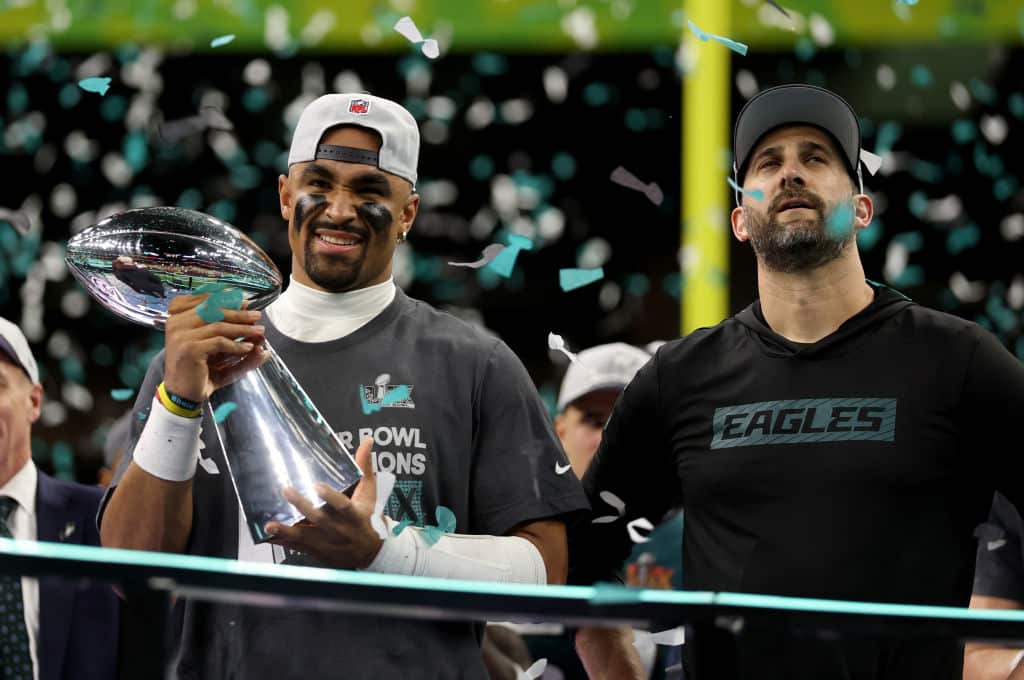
(409, 212)
(738, 217)
(36, 399)
(863, 211)
(284, 194)
(560, 425)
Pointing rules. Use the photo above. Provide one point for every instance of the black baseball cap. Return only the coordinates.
(797, 104)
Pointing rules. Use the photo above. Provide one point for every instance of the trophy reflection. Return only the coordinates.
(134, 263)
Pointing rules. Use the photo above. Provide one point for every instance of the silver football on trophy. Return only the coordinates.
(134, 263)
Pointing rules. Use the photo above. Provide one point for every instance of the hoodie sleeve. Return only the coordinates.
(632, 476)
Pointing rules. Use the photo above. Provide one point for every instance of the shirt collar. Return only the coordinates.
(22, 488)
(303, 300)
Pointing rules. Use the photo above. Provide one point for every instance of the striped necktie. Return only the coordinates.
(15, 657)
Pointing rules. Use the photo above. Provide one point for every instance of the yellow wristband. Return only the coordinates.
(161, 394)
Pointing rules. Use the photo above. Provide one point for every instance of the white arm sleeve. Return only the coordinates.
(168, 447)
(505, 559)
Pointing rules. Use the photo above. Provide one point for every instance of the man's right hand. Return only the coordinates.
(201, 357)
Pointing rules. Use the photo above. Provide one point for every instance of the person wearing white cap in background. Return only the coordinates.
(51, 629)
(587, 396)
(591, 385)
(452, 412)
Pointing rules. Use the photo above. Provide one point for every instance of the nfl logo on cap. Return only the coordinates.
(361, 106)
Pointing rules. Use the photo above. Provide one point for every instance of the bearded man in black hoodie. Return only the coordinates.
(832, 440)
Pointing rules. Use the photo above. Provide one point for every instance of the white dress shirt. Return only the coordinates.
(22, 523)
(308, 315)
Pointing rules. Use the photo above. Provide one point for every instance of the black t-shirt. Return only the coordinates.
(1000, 565)
(470, 434)
(853, 468)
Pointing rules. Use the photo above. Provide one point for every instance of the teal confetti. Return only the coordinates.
(489, 64)
(209, 288)
(504, 261)
(926, 172)
(571, 279)
(223, 411)
(597, 94)
(222, 40)
(909, 2)
(445, 525)
(840, 222)
(909, 277)
(962, 238)
(210, 309)
(917, 203)
(755, 194)
(98, 85)
(521, 242)
(141, 415)
(964, 131)
(731, 44)
(123, 394)
(1016, 101)
(805, 49)
(481, 167)
(921, 76)
(637, 285)
(889, 133)
(913, 241)
(982, 91)
(400, 527)
(1004, 187)
(563, 165)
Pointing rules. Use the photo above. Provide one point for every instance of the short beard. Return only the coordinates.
(798, 246)
(328, 278)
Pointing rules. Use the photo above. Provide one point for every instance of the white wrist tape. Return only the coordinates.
(168, 447)
(505, 559)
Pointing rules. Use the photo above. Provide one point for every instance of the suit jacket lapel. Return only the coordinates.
(55, 521)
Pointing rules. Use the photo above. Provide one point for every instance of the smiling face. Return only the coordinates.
(344, 218)
(809, 212)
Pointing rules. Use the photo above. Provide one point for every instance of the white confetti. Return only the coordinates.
(18, 220)
(614, 501)
(627, 179)
(871, 161)
(489, 253)
(639, 523)
(533, 672)
(430, 48)
(557, 343)
(407, 27)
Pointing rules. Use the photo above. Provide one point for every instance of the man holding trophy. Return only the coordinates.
(445, 408)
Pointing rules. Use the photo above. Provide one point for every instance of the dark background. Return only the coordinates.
(620, 109)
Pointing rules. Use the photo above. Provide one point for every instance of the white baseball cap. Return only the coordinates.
(603, 367)
(399, 133)
(14, 345)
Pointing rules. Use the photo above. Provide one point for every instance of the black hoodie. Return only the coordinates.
(855, 468)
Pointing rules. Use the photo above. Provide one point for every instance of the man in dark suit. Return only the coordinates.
(50, 628)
